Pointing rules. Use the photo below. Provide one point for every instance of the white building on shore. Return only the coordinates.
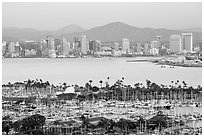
(84, 44)
(126, 45)
(187, 42)
(175, 43)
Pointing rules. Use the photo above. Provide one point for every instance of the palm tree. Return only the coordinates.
(90, 81)
(122, 79)
(108, 78)
(101, 82)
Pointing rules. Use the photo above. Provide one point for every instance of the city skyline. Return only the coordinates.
(53, 16)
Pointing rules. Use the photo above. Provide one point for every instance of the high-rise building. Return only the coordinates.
(175, 43)
(11, 48)
(77, 45)
(139, 48)
(17, 47)
(116, 46)
(158, 42)
(59, 50)
(146, 48)
(51, 46)
(93, 46)
(154, 51)
(126, 45)
(83, 45)
(51, 43)
(154, 44)
(44, 48)
(65, 47)
(99, 46)
(187, 42)
(3, 47)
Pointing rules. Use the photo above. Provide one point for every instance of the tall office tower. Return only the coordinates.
(17, 48)
(51, 46)
(44, 48)
(139, 48)
(126, 45)
(83, 45)
(154, 44)
(187, 42)
(175, 43)
(116, 46)
(146, 48)
(3, 47)
(93, 45)
(65, 47)
(158, 42)
(11, 48)
(77, 45)
(99, 46)
(51, 43)
(200, 46)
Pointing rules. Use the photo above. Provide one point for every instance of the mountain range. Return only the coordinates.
(110, 32)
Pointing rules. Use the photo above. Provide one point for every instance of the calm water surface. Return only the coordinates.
(81, 70)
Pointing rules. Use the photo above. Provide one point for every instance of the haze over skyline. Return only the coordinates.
(53, 16)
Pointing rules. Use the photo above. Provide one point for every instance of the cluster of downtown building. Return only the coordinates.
(53, 48)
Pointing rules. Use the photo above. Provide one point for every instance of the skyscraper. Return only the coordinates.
(83, 45)
(154, 44)
(51, 43)
(146, 48)
(116, 46)
(126, 45)
(158, 41)
(11, 48)
(139, 48)
(44, 48)
(175, 43)
(187, 42)
(51, 46)
(3, 47)
(65, 47)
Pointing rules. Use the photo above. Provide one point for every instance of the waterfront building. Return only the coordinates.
(154, 44)
(94, 46)
(77, 45)
(3, 47)
(146, 48)
(30, 52)
(11, 48)
(57, 42)
(65, 47)
(139, 48)
(60, 50)
(200, 46)
(175, 43)
(154, 51)
(51, 46)
(83, 44)
(126, 45)
(99, 46)
(158, 42)
(44, 48)
(187, 42)
(17, 48)
(51, 43)
(116, 46)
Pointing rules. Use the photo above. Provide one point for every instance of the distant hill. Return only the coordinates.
(110, 32)
(192, 29)
(73, 28)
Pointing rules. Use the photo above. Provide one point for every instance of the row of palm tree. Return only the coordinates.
(120, 91)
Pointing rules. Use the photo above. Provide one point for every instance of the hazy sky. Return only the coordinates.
(52, 16)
